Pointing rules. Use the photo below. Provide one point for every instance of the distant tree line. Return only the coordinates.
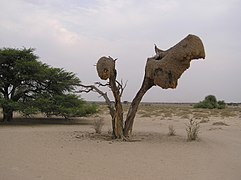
(30, 86)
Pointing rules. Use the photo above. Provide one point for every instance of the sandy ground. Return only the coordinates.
(73, 151)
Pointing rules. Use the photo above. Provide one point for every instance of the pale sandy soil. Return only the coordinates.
(73, 151)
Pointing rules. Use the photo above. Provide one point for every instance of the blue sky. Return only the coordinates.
(75, 34)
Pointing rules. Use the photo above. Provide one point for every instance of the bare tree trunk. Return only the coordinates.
(146, 85)
(118, 117)
(164, 69)
(88, 88)
(7, 114)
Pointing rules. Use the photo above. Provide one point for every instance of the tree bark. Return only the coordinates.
(7, 109)
(118, 117)
(7, 114)
(164, 69)
(146, 85)
(88, 88)
(106, 70)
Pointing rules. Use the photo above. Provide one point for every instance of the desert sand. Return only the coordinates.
(71, 150)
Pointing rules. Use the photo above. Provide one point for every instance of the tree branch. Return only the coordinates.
(89, 88)
(121, 87)
(100, 84)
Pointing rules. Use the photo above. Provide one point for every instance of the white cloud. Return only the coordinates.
(74, 34)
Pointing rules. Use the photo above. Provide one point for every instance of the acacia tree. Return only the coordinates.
(164, 69)
(23, 78)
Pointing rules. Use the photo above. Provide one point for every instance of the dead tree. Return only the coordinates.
(164, 69)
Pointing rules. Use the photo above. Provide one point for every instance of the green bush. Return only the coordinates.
(221, 104)
(71, 106)
(210, 102)
(28, 111)
(65, 105)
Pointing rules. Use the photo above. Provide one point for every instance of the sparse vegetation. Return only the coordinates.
(204, 120)
(202, 116)
(145, 114)
(227, 113)
(220, 123)
(171, 130)
(98, 124)
(192, 129)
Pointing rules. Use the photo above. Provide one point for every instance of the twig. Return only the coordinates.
(121, 87)
(100, 84)
(89, 88)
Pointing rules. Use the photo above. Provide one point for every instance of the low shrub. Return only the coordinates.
(220, 123)
(221, 105)
(98, 124)
(171, 131)
(192, 129)
(210, 102)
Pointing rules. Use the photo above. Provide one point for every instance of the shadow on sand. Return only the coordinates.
(47, 121)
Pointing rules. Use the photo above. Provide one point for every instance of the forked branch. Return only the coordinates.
(121, 87)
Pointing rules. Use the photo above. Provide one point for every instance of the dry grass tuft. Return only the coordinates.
(171, 131)
(215, 128)
(145, 114)
(225, 113)
(204, 120)
(185, 116)
(98, 124)
(192, 129)
(183, 113)
(220, 123)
